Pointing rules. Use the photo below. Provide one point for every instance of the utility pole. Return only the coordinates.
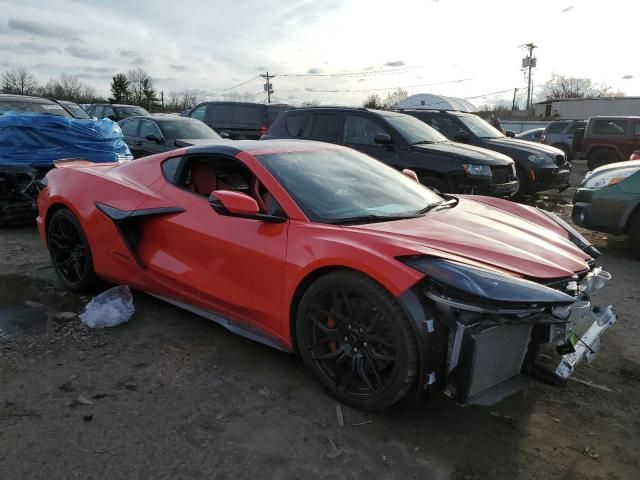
(267, 86)
(529, 62)
(162, 99)
(513, 104)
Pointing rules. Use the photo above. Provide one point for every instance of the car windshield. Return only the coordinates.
(479, 127)
(125, 112)
(77, 111)
(32, 107)
(345, 186)
(415, 131)
(187, 129)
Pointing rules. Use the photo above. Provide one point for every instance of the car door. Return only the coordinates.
(150, 139)
(232, 266)
(359, 131)
(130, 135)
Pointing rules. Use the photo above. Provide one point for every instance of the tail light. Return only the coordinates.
(543, 137)
(635, 155)
(263, 130)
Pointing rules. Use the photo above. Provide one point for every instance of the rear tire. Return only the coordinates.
(435, 184)
(70, 252)
(600, 157)
(356, 339)
(634, 236)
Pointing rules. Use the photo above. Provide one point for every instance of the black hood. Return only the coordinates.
(515, 147)
(466, 153)
(187, 142)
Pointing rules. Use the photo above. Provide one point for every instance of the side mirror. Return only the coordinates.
(154, 138)
(510, 133)
(461, 137)
(224, 135)
(411, 174)
(382, 139)
(237, 204)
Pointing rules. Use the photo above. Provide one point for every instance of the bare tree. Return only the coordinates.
(18, 81)
(240, 96)
(394, 98)
(140, 84)
(561, 86)
(181, 100)
(68, 87)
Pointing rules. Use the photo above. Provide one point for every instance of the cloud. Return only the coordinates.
(370, 67)
(567, 9)
(26, 48)
(178, 67)
(314, 71)
(362, 80)
(99, 69)
(42, 29)
(128, 53)
(627, 77)
(261, 69)
(84, 52)
(138, 61)
(395, 63)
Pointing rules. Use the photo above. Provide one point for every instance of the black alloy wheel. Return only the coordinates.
(357, 340)
(70, 252)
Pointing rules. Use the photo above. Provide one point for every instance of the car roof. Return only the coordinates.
(262, 147)
(160, 117)
(616, 117)
(382, 113)
(114, 105)
(24, 98)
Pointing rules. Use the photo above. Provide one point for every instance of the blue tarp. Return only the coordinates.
(37, 140)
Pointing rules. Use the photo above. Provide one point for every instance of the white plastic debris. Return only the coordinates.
(112, 307)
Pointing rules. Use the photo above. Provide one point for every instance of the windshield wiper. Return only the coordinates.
(422, 142)
(451, 202)
(368, 219)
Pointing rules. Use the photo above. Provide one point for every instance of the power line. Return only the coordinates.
(382, 89)
(231, 88)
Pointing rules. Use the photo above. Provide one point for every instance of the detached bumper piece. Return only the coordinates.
(19, 190)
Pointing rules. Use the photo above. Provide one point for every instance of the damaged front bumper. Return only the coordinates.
(490, 353)
(19, 188)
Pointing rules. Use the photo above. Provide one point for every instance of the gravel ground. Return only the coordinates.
(171, 395)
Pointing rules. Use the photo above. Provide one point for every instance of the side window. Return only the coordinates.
(556, 127)
(97, 112)
(572, 128)
(361, 130)
(610, 127)
(325, 127)
(198, 112)
(108, 111)
(170, 169)
(130, 128)
(636, 129)
(149, 128)
(220, 115)
(295, 124)
(445, 125)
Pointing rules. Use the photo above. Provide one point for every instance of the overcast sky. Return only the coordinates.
(464, 48)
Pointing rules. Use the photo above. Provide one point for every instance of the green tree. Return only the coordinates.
(150, 96)
(373, 101)
(119, 88)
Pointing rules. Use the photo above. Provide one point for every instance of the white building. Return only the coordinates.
(584, 108)
(437, 102)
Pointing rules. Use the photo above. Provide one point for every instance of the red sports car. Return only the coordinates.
(381, 285)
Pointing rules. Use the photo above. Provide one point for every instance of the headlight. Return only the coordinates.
(486, 285)
(477, 170)
(609, 177)
(539, 158)
(576, 237)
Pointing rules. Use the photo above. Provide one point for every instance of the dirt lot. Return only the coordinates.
(171, 395)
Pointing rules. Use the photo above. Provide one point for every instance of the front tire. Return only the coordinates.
(600, 157)
(355, 338)
(523, 183)
(70, 252)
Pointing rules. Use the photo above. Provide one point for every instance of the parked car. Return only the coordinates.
(403, 142)
(115, 112)
(239, 120)
(608, 200)
(147, 135)
(532, 135)
(33, 139)
(539, 167)
(76, 110)
(322, 250)
(560, 134)
(635, 155)
(609, 140)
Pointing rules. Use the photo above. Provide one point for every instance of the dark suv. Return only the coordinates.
(403, 142)
(560, 133)
(539, 167)
(610, 139)
(239, 120)
(114, 111)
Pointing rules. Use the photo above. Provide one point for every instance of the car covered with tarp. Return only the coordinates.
(31, 142)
